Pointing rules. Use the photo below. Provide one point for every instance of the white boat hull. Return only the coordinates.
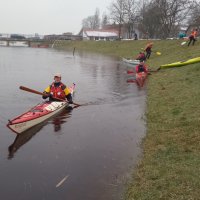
(53, 108)
(129, 61)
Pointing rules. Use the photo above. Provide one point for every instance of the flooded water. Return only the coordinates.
(92, 148)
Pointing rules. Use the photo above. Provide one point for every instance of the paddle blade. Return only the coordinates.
(158, 53)
(77, 105)
(183, 43)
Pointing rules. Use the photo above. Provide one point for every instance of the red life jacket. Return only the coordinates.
(141, 68)
(141, 56)
(57, 92)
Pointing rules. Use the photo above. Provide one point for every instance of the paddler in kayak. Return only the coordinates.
(141, 57)
(141, 74)
(57, 90)
(141, 68)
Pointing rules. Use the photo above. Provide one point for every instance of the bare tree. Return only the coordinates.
(136, 10)
(162, 17)
(172, 13)
(92, 22)
(194, 18)
(131, 16)
(105, 20)
(96, 19)
(118, 13)
(88, 22)
(150, 23)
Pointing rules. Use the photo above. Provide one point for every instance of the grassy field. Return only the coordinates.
(170, 165)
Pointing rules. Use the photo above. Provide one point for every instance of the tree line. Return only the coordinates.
(155, 18)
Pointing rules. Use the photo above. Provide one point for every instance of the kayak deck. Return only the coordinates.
(38, 111)
(140, 78)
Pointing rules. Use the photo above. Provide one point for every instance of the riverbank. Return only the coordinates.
(169, 167)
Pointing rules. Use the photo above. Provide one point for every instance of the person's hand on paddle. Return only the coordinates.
(70, 102)
(46, 95)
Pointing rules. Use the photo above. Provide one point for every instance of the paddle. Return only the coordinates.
(43, 94)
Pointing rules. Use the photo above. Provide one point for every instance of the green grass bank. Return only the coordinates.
(170, 165)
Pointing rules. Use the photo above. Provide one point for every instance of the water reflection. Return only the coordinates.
(26, 136)
(57, 121)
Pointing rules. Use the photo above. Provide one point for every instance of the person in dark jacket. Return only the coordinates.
(135, 36)
(148, 50)
(192, 37)
(57, 91)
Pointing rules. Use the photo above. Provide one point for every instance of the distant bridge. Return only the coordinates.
(26, 40)
(34, 40)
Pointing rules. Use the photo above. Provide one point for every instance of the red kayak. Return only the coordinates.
(140, 78)
(37, 114)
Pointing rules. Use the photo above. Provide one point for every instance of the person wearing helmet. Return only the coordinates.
(57, 91)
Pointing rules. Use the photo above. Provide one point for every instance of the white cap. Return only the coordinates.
(57, 75)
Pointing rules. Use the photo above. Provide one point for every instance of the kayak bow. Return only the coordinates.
(140, 78)
(181, 63)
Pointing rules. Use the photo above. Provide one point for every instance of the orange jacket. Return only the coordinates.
(194, 33)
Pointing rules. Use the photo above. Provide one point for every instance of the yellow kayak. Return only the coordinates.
(181, 63)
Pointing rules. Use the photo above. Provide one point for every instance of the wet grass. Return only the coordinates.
(170, 166)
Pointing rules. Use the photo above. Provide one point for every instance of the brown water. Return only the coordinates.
(96, 145)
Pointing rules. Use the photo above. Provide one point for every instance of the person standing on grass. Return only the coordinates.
(135, 36)
(148, 50)
(192, 37)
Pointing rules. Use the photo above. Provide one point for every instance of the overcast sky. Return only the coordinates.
(47, 16)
